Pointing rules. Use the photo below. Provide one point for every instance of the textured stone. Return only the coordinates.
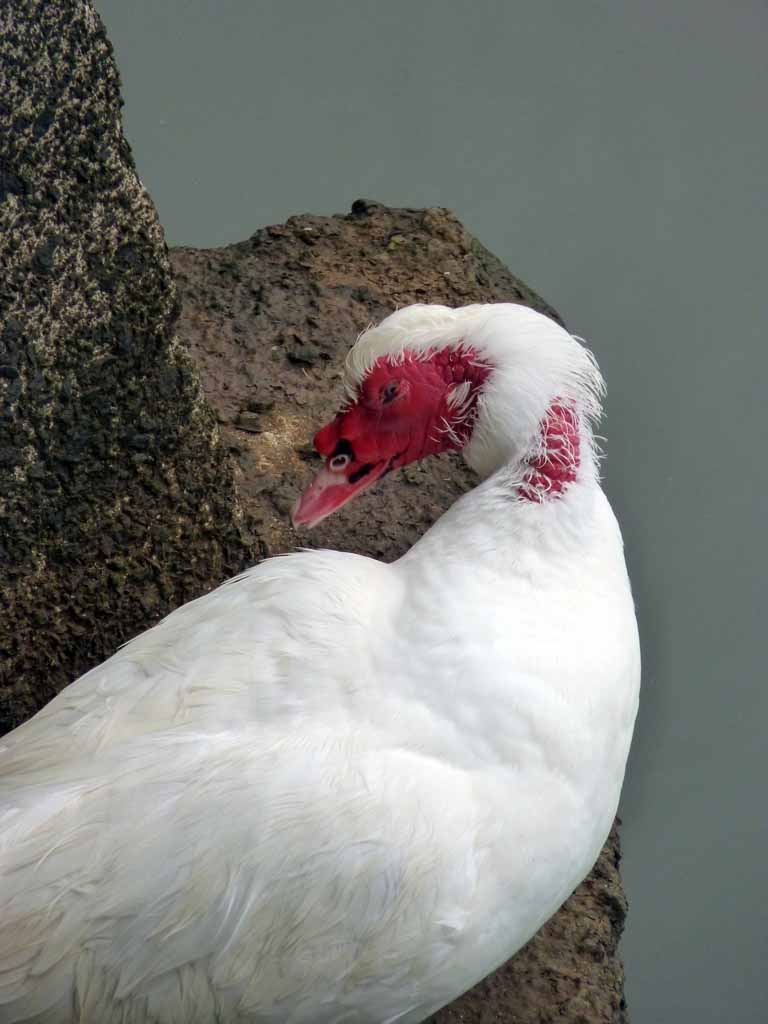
(311, 285)
(116, 498)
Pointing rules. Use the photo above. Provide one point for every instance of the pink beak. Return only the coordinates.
(327, 492)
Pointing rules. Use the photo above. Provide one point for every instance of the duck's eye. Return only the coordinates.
(389, 392)
(339, 462)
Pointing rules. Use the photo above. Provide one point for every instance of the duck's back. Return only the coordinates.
(331, 792)
(215, 825)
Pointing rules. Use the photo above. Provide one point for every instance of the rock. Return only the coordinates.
(303, 354)
(249, 421)
(117, 501)
(259, 404)
(358, 268)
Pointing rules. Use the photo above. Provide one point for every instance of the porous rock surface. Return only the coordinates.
(117, 500)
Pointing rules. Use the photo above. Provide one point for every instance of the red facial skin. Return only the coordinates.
(402, 413)
(555, 466)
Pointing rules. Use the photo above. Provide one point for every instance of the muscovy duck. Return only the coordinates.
(335, 791)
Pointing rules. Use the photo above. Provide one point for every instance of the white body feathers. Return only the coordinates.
(332, 791)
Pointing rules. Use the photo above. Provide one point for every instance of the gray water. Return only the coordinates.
(614, 155)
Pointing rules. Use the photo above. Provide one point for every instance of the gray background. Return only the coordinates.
(614, 155)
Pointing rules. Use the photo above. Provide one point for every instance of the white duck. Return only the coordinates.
(335, 791)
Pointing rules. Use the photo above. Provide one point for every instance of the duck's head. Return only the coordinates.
(430, 379)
